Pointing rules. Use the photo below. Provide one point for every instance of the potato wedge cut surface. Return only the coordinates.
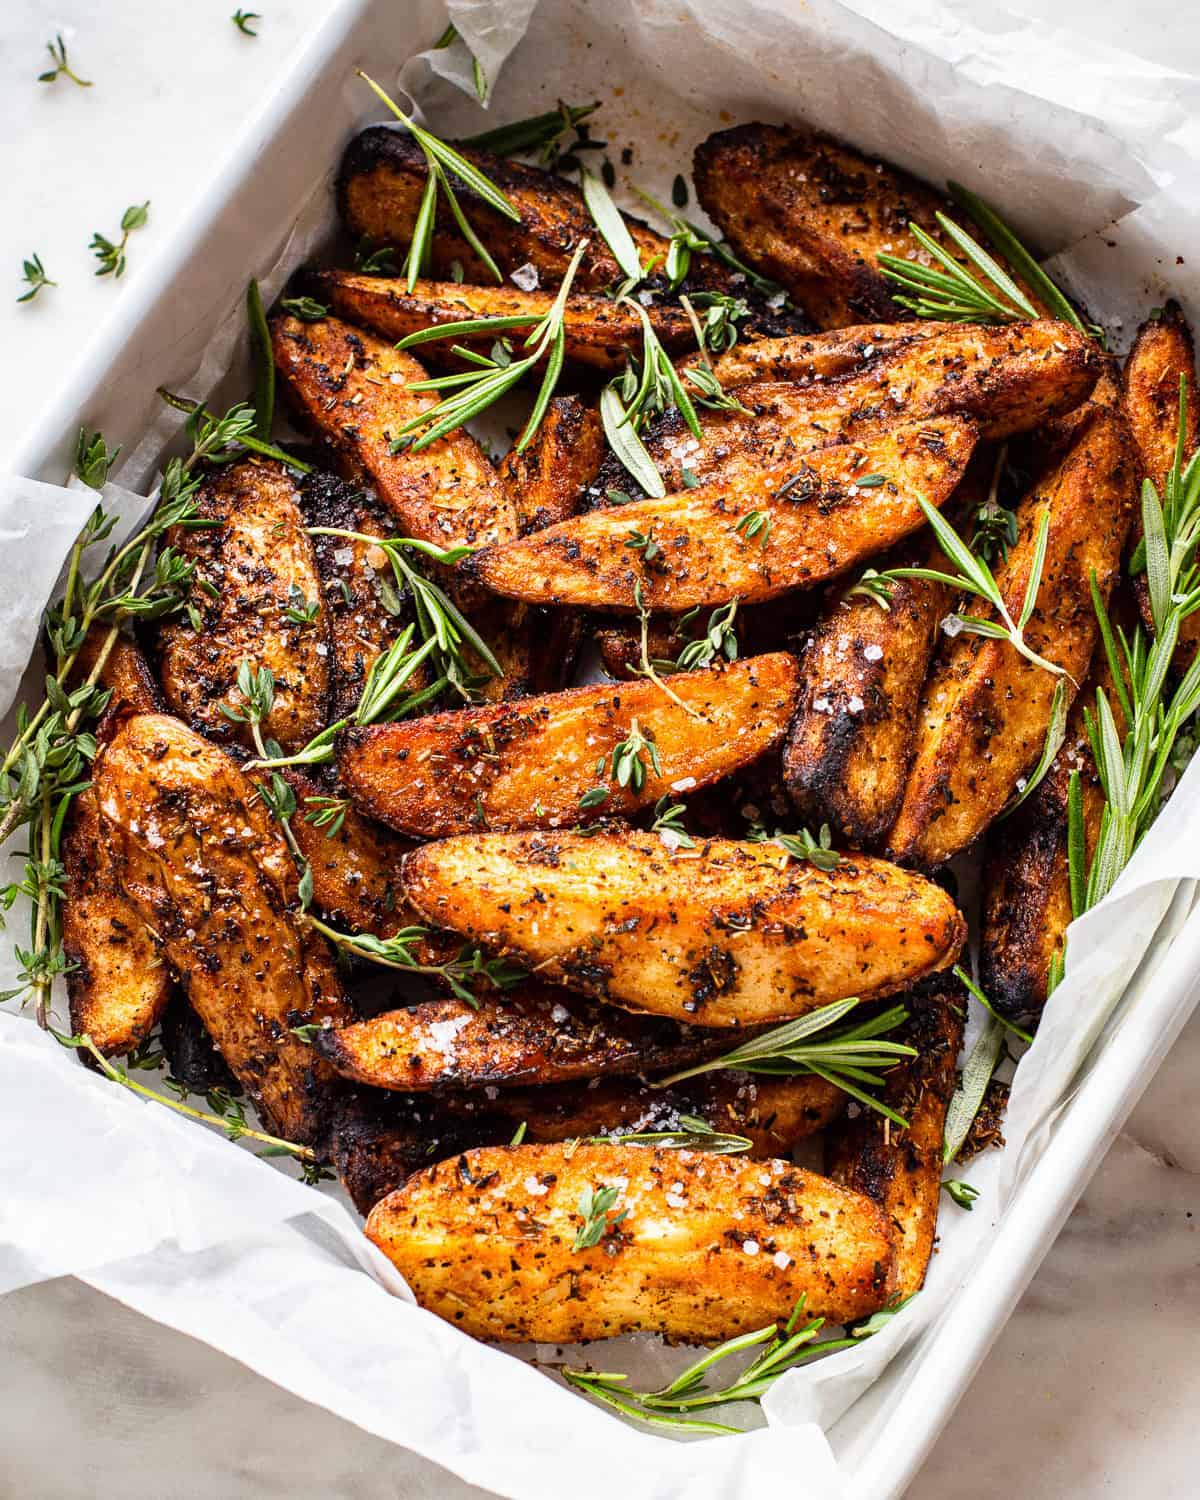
(710, 1246)
(985, 708)
(206, 868)
(547, 480)
(255, 586)
(727, 934)
(534, 763)
(805, 357)
(598, 332)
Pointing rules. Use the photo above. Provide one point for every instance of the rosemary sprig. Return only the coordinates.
(478, 76)
(475, 390)
(33, 274)
(873, 585)
(62, 68)
(609, 220)
(688, 239)
(443, 162)
(539, 134)
(692, 1134)
(263, 358)
(112, 255)
(975, 577)
(851, 1057)
(781, 1349)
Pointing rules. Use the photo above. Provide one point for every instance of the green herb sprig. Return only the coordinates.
(818, 852)
(596, 1208)
(110, 254)
(538, 135)
(33, 274)
(62, 68)
(242, 19)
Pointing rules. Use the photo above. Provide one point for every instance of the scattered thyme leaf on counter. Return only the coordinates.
(242, 19)
(110, 254)
(62, 68)
(33, 274)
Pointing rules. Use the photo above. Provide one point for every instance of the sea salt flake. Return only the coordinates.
(344, 556)
(873, 653)
(782, 1259)
(684, 784)
(525, 277)
(750, 1247)
(534, 1188)
(559, 1014)
(952, 626)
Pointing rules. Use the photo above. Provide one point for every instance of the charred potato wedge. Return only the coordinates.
(687, 549)
(804, 358)
(349, 388)
(379, 188)
(204, 865)
(852, 741)
(709, 1246)
(814, 214)
(255, 580)
(547, 480)
(534, 764)
(730, 934)
(985, 708)
(1005, 380)
(598, 332)
(532, 1034)
(191, 1054)
(901, 1169)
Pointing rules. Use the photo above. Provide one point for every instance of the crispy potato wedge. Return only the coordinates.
(985, 708)
(1006, 380)
(206, 868)
(547, 480)
(118, 985)
(532, 1034)
(349, 388)
(379, 188)
(901, 1170)
(363, 610)
(852, 740)
(255, 577)
(598, 332)
(728, 934)
(191, 1054)
(804, 358)
(823, 519)
(1026, 906)
(709, 1246)
(814, 214)
(532, 764)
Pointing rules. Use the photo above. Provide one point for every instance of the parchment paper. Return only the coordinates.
(1082, 149)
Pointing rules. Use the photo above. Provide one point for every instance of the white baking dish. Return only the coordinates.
(239, 226)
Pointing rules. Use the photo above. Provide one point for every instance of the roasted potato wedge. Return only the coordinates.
(1026, 907)
(532, 1034)
(709, 1246)
(901, 1169)
(379, 188)
(1006, 380)
(728, 934)
(985, 708)
(598, 332)
(349, 388)
(206, 868)
(803, 358)
(852, 740)
(255, 580)
(117, 985)
(814, 214)
(687, 549)
(534, 764)
(363, 610)
(547, 480)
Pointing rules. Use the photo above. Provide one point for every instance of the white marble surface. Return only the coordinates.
(1090, 1392)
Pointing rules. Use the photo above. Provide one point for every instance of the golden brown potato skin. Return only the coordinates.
(807, 357)
(985, 708)
(823, 521)
(711, 1246)
(206, 868)
(118, 985)
(727, 934)
(529, 764)
(852, 740)
(598, 332)
(547, 480)
(814, 214)
(250, 570)
(532, 1034)
(379, 187)
(901, 1170)
(348, 386)
(1006, 380)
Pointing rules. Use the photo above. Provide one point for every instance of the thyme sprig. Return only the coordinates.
(646, 667)
(493, 376)
(818, 852)
(718, 641)
(33, 274)
(401, 951)
(974, 576)
(668, 819)
(597, 1208)
(62, 68)
(851, 1057)
(443, 162)
(242, 19)
(110, 254)
(781, 1349)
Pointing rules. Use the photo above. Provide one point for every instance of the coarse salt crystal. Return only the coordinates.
(526, 277)
(534, 1188)
(777, 301)
(821, 705)
(491, 1091)
(559, 1014)
(322, 649)
(344, 556)
(669, 839)
(750, 1247)
(674, 1200)
(873, 653)
(782, 1259)
(855, 705)
(952, 626)
(684, 784)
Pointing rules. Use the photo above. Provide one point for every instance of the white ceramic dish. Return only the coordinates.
(237, 227)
